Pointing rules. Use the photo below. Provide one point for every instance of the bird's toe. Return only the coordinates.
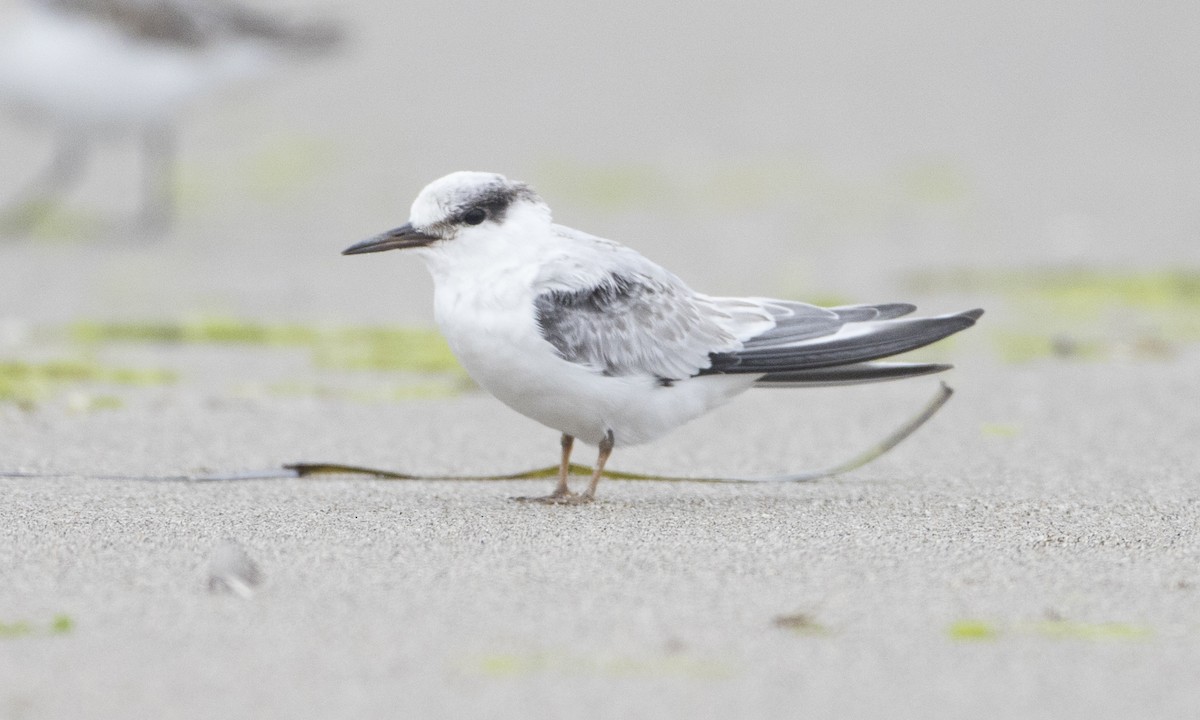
(568, 498)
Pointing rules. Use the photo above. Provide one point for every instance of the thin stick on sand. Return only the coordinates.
(305, 470)
(892, 440)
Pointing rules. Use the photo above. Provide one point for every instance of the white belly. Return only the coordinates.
(509, 359)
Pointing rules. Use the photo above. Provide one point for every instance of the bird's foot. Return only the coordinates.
(559, 498)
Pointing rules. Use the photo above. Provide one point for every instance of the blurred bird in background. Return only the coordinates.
(94, 69)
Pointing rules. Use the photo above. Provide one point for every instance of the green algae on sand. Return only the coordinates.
(339, 348)
(25, 383)
(61, 624)
(1056, 629)
(1080, 313)
(801, 624)
(972, 630)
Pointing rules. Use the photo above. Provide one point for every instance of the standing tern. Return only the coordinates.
(586, 336)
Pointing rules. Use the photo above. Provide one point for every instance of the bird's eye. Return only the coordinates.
(474, 216)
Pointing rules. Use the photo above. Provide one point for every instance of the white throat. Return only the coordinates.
(493, 249)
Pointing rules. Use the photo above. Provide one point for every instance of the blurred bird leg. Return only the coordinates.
(38, 198)
(158, 181)
(132, 68)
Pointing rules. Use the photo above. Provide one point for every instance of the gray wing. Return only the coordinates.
(852, 374)
(196, 24)
(848, 340)
(634, 318)
(792, 321)
(630, 323)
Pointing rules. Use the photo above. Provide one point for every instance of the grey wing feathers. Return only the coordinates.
(862, 313)
(852, 342)
(849, 374)
(636, 319)
(632, 324)
(197, 24)
(795, 321)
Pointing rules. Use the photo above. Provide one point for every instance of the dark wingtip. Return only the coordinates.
(847, 374)
(972, 315)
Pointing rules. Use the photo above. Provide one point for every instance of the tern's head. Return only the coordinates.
(461, 208)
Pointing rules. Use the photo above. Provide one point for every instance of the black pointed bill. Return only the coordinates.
(405, 236)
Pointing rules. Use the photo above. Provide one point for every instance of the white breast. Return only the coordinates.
(490, 325)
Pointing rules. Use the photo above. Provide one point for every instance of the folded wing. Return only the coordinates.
(634, 318)
(634, 324)
(795, 355)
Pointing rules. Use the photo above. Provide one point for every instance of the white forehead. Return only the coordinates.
(447, 195)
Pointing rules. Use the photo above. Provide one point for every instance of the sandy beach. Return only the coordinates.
(1033, 551)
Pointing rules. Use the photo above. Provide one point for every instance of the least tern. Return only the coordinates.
(590, 338)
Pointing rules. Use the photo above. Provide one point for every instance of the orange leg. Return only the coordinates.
(606, 447)
(564, 469)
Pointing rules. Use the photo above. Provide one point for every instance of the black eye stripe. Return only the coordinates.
(493, 202)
